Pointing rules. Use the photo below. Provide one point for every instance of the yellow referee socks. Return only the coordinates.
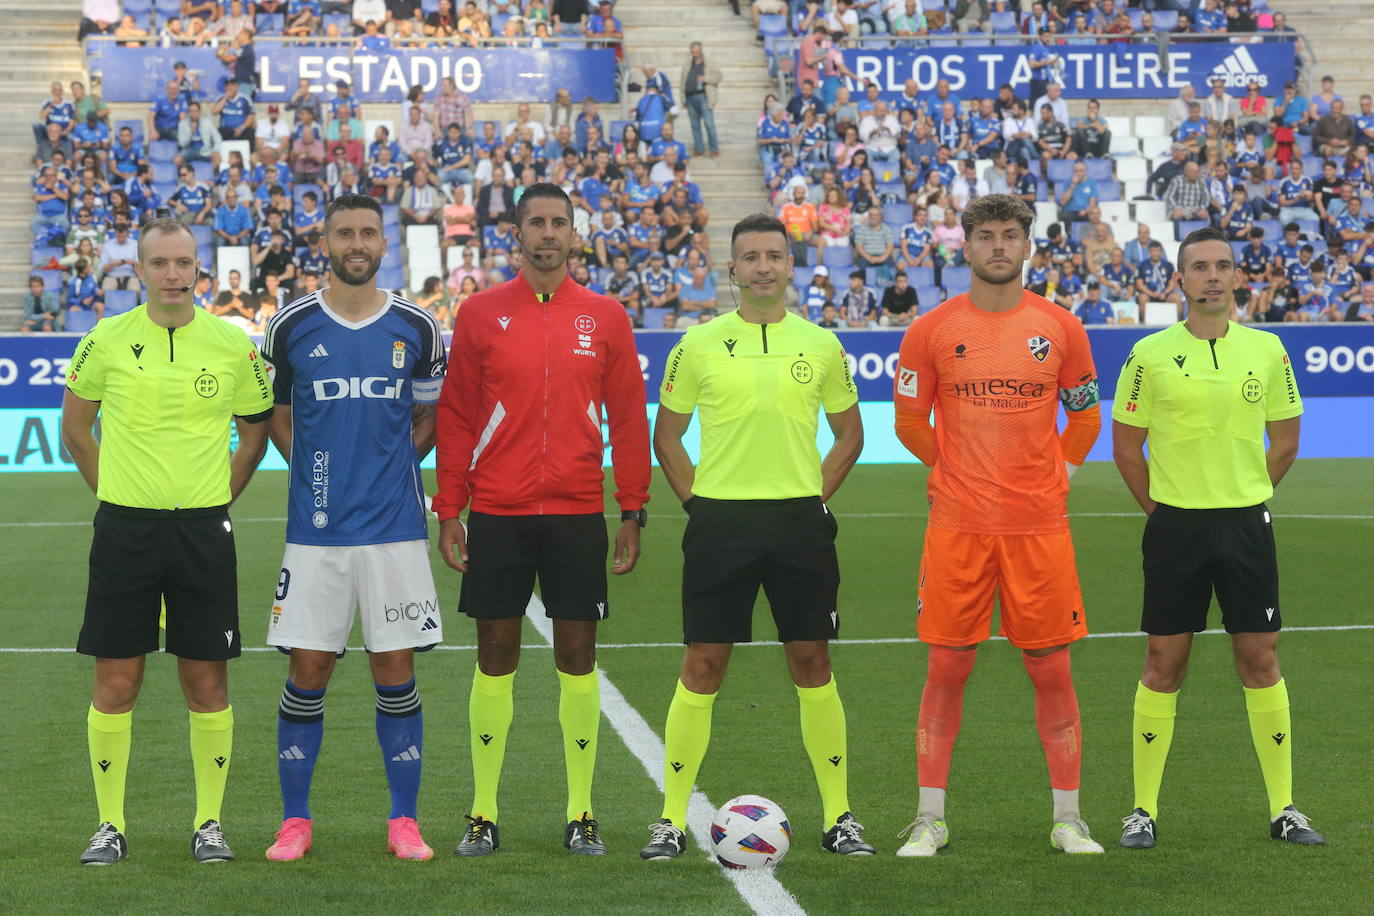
(107, 737)
(490, 710)
(579, 714)
(1270, 726)
(212, 745)
(823, 736)
(1153, 733)
(685, 738)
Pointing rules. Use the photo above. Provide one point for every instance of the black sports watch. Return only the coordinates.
(635, 515)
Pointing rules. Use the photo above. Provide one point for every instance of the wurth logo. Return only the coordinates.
(1239, 68)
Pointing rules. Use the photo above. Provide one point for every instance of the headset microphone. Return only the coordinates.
(184, 289)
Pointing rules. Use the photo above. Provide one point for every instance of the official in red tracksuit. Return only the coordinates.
(519, 439)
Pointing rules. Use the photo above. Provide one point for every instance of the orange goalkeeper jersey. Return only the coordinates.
(995, 380)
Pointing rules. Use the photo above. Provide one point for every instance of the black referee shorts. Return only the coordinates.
(1190, 552)
(507, 552)
(142, 557)
(733, 546)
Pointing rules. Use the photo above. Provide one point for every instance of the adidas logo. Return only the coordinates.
(220, 762)
(104, 765)
(319, 351)
(292, 753)
(1239, 68)
(429, 624)
(581, 743)
(409, 754)
(486, 739)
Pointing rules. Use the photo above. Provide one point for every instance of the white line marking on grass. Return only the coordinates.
(841, 515)
(760, 889)
(894, 641)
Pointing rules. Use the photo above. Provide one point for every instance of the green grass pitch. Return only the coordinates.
(1214, 853)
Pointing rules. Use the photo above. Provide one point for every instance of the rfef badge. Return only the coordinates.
(398, 354)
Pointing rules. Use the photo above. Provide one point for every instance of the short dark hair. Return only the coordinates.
(996, 208)
(352, 202)
(1291, 227)
(1257, 233)
(540, 189)
(758, 222)
(1205, 234)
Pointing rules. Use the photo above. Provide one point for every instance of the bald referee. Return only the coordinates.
(759, 377)
(1206, 392)
(166, 380)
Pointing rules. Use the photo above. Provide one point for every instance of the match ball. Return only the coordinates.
(750, 832)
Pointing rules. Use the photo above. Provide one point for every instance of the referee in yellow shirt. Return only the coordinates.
(165, 379)
(759, 377)
(1205, 392)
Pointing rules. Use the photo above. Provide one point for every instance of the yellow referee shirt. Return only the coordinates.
(166, 398)
(758, 389)
(1205, 403)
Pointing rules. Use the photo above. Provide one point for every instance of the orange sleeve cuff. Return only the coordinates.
(1079, 435)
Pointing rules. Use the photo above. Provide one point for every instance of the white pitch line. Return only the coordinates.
(760, 888)
(888, 641)
(683, 518)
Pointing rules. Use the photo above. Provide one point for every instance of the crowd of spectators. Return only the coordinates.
(872, 187)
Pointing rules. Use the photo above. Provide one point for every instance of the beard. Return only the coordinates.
(353, 276)
(998, 275)
(543, 259)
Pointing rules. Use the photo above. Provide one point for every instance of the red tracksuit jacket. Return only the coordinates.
(518, 429)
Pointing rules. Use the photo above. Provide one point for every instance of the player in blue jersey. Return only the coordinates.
(356, 374)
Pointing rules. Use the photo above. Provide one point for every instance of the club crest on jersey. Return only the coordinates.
(398, 355)
(1039, 348)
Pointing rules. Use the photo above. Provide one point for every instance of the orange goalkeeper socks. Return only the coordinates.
(1056, 716)
(942, 711)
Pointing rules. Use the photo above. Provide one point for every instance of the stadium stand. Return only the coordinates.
(1127, 196)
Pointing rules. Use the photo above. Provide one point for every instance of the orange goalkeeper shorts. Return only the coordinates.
(1033, 575)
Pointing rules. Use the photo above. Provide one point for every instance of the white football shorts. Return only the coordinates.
(320, 587)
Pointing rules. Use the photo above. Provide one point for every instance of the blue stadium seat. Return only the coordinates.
(773, 25)
(167, 8)
(617, 130)
(162, 151)
(927, 297)
(134, 125)
(921, 276)
(1303, 143)
(52, 279)
(164, 173)
(341, 20)
(270, 23)
(80, 321)
(204, 171)
(164, 189)
(1309, 228)
(206, 255)
(202, 234)
(390, 278)
(801, 276)
(1136, 16)
(429, 6)
(1004, 23)
(837, 258)
(42, 254)
(135, 7)
(1273, 229)
(956, 280)
(1184, 226)
(392, 258)
(893, 191)
(1078, 231)
(119, 301)
(653, 318)
(1237, 248)
(1312, 166)
(1108, 190)
(1166, 20)
(871, 277)
(1057, 170)
(1099, 169)
(897, 214)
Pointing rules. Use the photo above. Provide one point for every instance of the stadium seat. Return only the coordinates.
(900, 214)
(233, 257)
(1304, 144)
(1166, 20)
(1099, 169)
(1134, 189)
(391, 278)
(1273, 229)
(1046, 212)
(1309, 228)
(1153, 148)
(1184, 226)
(1163, 232)
(871, 277)
(79, 321)
(956, 280)
(1004, 23)
(921, 276)
(135, 7)
(1078, 231)
(1108, 189)
(1137, 18)
(423, 265)
(1057, 170)
(927, 297)
(205, 254)
(119, 301)
(773, 25)
(653, 318)
(1115, 211)
(1237, 249)
(1131, 168)
(52, 279)
(162, 151)
(270, 23)
(339, 19)
(202, 234)
(1158, 314)
(837, 258)
(896, 191)
(204, 170)
(1126, 312)
(164, 189)
(43, 254)
(1150, 126)
(422, 238)
(801, 276)
(1123, 145)
(166, 9)
(1119, 125)
(164, 173)
(1150, 211)
(392, 256)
